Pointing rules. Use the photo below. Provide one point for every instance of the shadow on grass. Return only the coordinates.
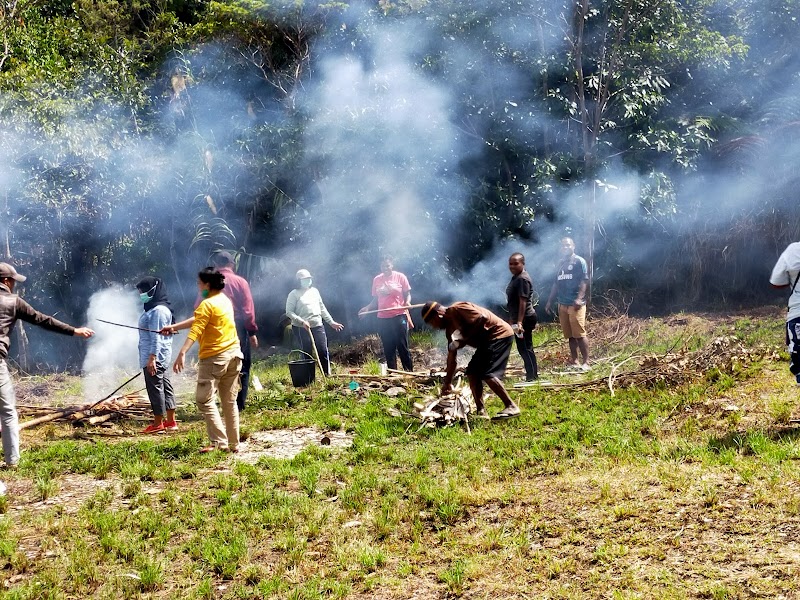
(744, 441)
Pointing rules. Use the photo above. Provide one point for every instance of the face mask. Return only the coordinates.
(305, 283)
(204, 293)
(145, 297)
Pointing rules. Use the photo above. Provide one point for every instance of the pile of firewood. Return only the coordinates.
(446, 410)
(128, 406)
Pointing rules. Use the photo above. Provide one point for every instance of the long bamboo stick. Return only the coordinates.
(372, 312)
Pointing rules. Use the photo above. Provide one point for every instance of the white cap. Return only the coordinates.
(303, 274)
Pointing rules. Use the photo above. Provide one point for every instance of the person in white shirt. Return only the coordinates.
(785, 274)
(307, 312)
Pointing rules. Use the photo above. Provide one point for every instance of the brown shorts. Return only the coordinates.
(573, 320)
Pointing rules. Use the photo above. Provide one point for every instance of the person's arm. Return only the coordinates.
(151, 321)
(373, 305)
(327, 318)
(175, 327)
(196, 326)
(248, 309)
(522, 304)
(406, 290)
(780, 277)
(447, 384)
(181, 358)
(551, 297)
(163, 344)
(580, 299)
(25, 312)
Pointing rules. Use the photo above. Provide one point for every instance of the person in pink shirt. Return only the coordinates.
(391, 295)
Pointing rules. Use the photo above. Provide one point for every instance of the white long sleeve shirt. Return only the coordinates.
(307, 305)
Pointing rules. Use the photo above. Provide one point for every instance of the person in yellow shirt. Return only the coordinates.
(214, 329)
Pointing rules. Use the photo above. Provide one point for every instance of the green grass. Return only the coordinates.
(638, 495)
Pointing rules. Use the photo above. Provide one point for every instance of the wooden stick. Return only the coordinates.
(316, 354)
(372, 312)
(409, 373)
(100, 419)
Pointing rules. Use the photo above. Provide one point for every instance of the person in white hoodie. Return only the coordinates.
(307, 312)
(785, 274)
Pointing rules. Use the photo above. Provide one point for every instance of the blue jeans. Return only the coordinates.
(303, 341)
(9, 423)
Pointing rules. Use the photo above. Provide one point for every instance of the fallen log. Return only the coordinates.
(60, 414)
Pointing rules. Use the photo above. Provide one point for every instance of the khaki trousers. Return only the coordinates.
(220, 373)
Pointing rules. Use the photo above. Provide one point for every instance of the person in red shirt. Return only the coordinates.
(244, 314)
(468, 324)
(391, 294)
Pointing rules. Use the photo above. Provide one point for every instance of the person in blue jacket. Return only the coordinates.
(155, 351)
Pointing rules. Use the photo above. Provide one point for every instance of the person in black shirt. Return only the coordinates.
(521, 314)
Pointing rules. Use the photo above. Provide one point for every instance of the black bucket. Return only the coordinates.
(303, 371)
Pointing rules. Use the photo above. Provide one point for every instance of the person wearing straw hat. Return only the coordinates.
(13, 308)
(307, 312)
(467, 324)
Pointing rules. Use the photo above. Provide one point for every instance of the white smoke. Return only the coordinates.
(112, 355)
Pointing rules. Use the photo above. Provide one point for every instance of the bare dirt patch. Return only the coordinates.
(288, 443)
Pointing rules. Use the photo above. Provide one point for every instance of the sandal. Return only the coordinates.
(507, 413)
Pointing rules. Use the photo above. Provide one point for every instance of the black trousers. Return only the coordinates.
(244, 376)
(394, 337)
(525, 348)
(793, 345)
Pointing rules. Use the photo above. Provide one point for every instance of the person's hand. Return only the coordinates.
(362, 311)
(151, 365)
(83, 332)
(254, 341)
(547, 308)
(167, 330)
(337, 326)
(518, 330)
(446, 389)
(306, 325)
(579, 302)
(178, 366)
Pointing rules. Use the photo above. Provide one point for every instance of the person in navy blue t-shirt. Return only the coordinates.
(569, 291)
